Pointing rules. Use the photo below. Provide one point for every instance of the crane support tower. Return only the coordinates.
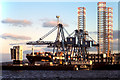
(81, 31)
(81, 18)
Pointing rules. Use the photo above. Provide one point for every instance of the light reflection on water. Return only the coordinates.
(61, 74)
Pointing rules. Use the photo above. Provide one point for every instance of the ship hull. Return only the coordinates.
(33, 59)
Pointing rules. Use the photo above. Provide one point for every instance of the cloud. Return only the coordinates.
(45, 19)
(115, 38)
(93, 32)
(14, 37)
(17, 44)
(51, 22)
(40, 45)
(15, 22)
(30, 51)
(48, 49)
(115, 33)
(115, 42)
(38, 49)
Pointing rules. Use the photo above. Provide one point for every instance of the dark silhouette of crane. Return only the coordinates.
(75, 43)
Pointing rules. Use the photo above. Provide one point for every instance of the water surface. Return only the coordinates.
(61, 74)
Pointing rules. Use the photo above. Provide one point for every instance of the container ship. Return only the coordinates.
(38, 56)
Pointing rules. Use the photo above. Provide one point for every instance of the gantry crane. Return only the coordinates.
(75, 44)
(57, 44)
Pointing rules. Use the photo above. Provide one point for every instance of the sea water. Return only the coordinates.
(52, 74)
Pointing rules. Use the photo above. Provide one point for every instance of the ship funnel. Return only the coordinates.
(32, 50)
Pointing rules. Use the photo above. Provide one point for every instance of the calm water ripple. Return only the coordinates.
(61, 74)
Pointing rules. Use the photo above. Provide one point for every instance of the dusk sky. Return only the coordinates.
(21, 22)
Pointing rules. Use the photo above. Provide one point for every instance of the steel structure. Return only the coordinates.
(75, 46)
(79, 44)
(81, 31)
(58, 45)
(105, 29)
(82, 18)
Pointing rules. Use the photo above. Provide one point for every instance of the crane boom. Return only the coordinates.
(48, 33)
